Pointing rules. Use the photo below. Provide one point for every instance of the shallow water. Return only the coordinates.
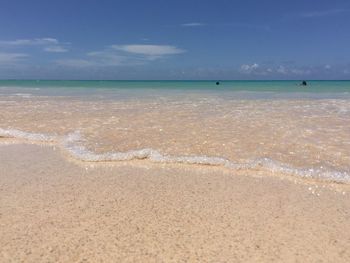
(304, 133)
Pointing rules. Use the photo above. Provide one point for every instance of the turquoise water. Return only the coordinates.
(114, 89)
(235, 85)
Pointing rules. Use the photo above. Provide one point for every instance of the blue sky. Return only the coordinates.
(160, 39)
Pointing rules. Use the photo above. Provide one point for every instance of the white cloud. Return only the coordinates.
(29, 42)
(99, 59)
(153, 51)
(122, 55)
(193, 24)
(282, 70)
(245, 68)
(323, 13)
(266, 70)
(110, 58)
(301, 72)
(55, 49)
(229, 24)
(293, 71)
(48, 44)
(11, 58)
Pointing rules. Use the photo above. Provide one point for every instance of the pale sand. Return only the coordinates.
(52, 209)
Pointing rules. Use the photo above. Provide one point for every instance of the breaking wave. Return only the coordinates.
(73, 143)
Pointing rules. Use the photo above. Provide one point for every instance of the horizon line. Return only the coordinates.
(28, 79)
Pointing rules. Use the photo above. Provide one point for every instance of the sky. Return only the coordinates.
(182, 39)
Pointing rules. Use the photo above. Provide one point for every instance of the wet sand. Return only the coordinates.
(53, 209)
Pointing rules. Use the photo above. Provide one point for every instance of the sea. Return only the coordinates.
(277, 126)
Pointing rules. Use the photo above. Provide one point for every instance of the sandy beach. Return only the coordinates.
(53, 209)
(174, 131)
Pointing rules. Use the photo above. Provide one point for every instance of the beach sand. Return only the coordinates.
(53, 209)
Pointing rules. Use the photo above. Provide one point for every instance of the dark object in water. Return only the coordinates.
(217, 83)
(303, 83)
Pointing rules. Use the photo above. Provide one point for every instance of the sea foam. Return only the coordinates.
(73, 143)
(13, 133)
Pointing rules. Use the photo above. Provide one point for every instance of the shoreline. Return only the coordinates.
(79, 153)
(58, 210)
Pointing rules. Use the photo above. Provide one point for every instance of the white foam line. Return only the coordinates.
(80, 152)
(13, 133)
(73, 143)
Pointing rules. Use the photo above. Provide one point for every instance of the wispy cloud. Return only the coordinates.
(346, 71)
(229, 24)
(193, 24)
(282, 70)
(99, 59)
(29, 42)
(150, 52)
(110, 57)
(247, 69)
(48, 44)
(292, 71)
(322, 13)
(11, 58)
(56, 49)
(123, 55)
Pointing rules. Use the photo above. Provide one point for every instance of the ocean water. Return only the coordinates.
(233, 89)
(277, 126)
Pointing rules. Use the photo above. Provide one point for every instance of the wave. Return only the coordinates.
(73, 143)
